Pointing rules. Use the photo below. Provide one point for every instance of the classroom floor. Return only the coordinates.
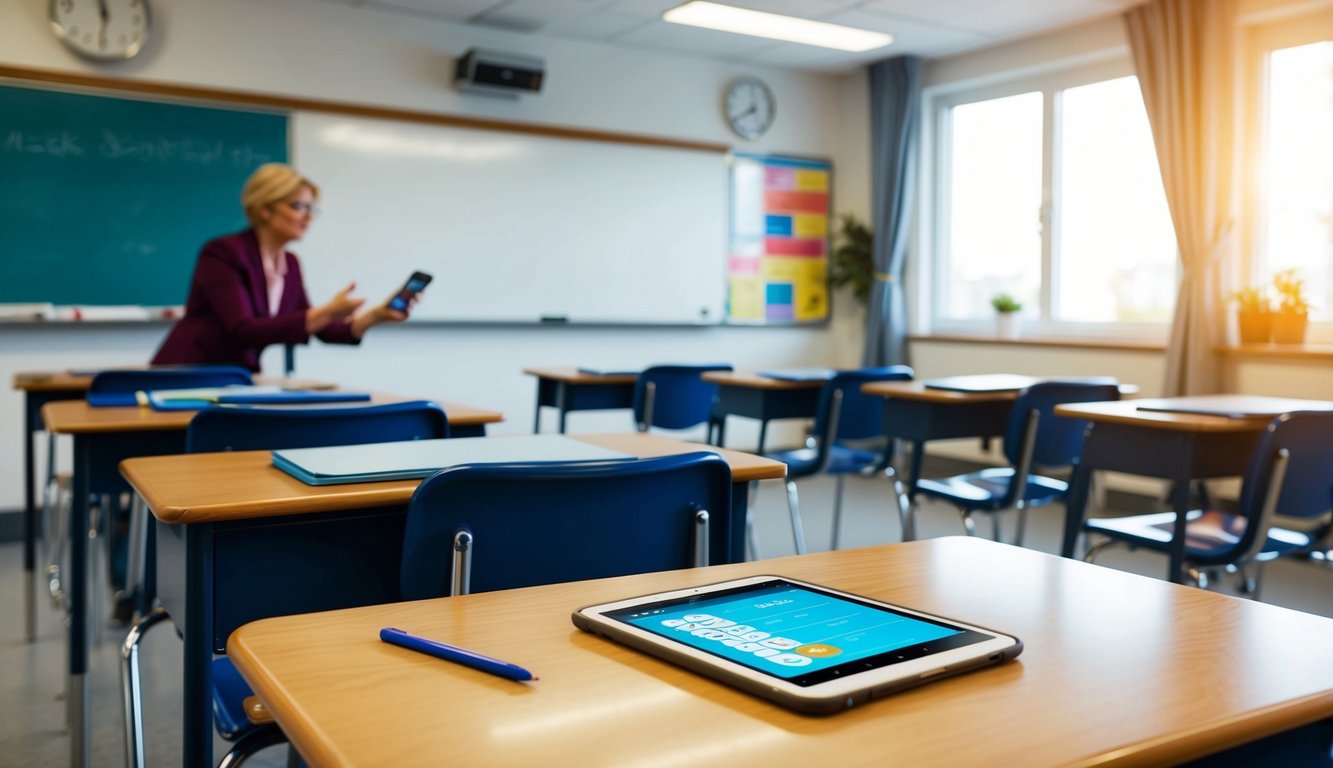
(32, 708)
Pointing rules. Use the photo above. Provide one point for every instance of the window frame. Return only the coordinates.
(932, 225)
(1260, 38)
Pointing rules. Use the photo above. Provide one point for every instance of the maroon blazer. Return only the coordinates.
(227, 317)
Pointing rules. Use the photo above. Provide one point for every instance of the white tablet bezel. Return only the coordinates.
(819, 698)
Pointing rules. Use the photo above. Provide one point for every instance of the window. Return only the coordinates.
(1048, 190)
(1292, 221)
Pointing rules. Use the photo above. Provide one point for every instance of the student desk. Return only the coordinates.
(279, 546)
(1118, 669)
(40, 388)
(1180, 447)
(102, 438)
(916, 413)
(566, 389)
(759, 397)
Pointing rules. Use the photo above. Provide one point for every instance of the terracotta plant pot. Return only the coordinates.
(1256, 327)
(1289, 327)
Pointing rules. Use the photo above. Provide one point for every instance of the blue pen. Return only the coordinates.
(455, 654)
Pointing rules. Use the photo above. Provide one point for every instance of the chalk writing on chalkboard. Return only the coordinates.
(147, 149)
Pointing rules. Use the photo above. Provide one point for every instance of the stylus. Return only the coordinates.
(455, 654)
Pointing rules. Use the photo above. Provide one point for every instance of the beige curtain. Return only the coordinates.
(1184, 56)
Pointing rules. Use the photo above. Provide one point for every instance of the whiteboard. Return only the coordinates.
(514, 227)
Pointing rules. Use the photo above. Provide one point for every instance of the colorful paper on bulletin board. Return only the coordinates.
(778, 269)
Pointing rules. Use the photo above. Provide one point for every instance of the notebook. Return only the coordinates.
(1235, 406)
(987, 382)
(422, 458)
(799, 374)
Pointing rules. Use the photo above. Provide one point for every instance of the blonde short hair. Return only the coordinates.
(271, 183)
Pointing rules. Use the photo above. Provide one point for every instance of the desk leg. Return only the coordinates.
(80, 729)
(537, 412)
(562, 403)
(1180, 499)
(198, 661)
(721, 430)
(763, 435)
(1076, 507)
(29, 526)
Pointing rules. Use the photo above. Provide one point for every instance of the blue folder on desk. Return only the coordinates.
(421, 458)
(610, 371)
(169, 401)
(800, 374)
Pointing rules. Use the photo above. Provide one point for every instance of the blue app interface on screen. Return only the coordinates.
(785, 630)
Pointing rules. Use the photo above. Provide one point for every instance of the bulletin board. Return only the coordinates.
(777, 271)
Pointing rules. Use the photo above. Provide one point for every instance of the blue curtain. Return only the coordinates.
(895, 140)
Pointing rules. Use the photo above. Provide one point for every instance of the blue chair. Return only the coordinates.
(232, 428)
(675, 397)
(1290, 474)
(483, 527)
(1034, 439)
(848, 437)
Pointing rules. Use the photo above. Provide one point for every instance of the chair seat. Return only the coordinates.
(229, 694)
(1209, 535)
(986, 489)
(803, 462)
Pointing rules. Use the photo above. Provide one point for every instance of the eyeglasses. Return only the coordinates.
(302, 207)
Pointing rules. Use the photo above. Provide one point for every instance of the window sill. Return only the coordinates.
(1280, 351)
(1053, 342)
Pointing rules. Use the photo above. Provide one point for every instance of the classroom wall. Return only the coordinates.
(329, 50)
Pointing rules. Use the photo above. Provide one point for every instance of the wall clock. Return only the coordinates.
(103, 30)
(750, 107)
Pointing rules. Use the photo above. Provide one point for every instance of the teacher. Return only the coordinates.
(247, 292)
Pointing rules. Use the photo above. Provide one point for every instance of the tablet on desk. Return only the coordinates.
(1234, 406)
(809, 648)
(609, 371)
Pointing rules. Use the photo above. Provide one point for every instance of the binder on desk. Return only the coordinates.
(799, 374)
(986, 382)
(421, 458)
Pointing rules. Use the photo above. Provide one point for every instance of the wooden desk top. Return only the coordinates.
(76, 417)
(571, 375)
(1118, 669)
(68, 381)
(214, 487)
(1128, 412)
(756, 381)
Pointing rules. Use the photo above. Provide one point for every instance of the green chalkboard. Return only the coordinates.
(107, 200)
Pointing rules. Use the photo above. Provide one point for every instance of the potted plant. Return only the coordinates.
(1006, 315)
(1254, 316)
(853, 261)
(1293, 308)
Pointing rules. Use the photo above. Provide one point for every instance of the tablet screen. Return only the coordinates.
(796, 633)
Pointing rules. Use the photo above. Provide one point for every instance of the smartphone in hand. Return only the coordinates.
(414, 285)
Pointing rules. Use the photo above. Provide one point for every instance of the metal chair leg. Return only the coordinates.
(130, 689)
(794, 509)
(995, 531)
(1096, 549)
(968, 524)
(252, 742)
(752, 538)
(837, 512)
(906, 512)
(1022, 524)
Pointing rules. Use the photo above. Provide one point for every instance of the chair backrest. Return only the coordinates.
(1058, 442)
(674, 396)
(521, 525)
(858, 416)
(186, 377)
(236, 428)
(1300, 444)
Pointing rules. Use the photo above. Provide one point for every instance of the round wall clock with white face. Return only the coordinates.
(105, 30)
(750, 107)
